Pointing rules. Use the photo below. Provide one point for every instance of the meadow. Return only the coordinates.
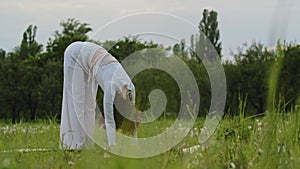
(270, 140)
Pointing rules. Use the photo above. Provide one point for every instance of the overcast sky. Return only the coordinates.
(239, 20)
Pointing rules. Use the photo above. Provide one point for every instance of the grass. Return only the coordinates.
(270, 141)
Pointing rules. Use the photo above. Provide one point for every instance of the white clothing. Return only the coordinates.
(81, 80)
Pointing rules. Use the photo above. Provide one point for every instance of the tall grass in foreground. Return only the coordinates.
(269, 141)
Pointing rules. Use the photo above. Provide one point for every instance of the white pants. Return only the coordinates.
(78, 106)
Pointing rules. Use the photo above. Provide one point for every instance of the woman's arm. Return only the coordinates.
(108, 101)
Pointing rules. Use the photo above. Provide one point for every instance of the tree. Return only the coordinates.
(209, 27)
(21, 80)
(2, 54)
(233, 80)
(289, 80)
(253, 66)
(22, 77)
(202, 79)
(30, 80)
(2, 91)
(179, 49)
(29, 84)
(126, 46)
(11, 86)
(72, 30)
(52, 73)
(51, 88)
(29, 47)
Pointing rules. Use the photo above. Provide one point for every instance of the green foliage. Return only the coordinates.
(206, 45)
(180, 50)
(203, 82)
(72, 30)
(254, 75)
(126, 46)
(271, 141)
(209, 26)
(248, 77)
(2, 54)
(289, 79)
(29, 47)
(22, 77)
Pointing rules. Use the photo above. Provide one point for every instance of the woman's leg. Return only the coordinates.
(90, 109)
(71, 134)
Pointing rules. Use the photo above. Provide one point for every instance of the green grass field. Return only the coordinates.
(268, 141)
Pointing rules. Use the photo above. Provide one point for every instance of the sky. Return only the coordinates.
(240, 21)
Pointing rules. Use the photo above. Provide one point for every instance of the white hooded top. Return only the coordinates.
(110, 76)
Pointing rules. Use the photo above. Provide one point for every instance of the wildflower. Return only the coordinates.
(232, 165)
(249, 127)
(106, 155)
(259, 124)
(259, 129)
(70, 163)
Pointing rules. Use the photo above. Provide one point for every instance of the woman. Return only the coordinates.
(87, 65)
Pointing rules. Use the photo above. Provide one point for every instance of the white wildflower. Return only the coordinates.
(232, 165)
(70, 163)
(259, 123)
(106, 155)
(259, 129)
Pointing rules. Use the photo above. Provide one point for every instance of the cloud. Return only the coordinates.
(239, 21)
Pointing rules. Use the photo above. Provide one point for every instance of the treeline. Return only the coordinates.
(32, 75)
